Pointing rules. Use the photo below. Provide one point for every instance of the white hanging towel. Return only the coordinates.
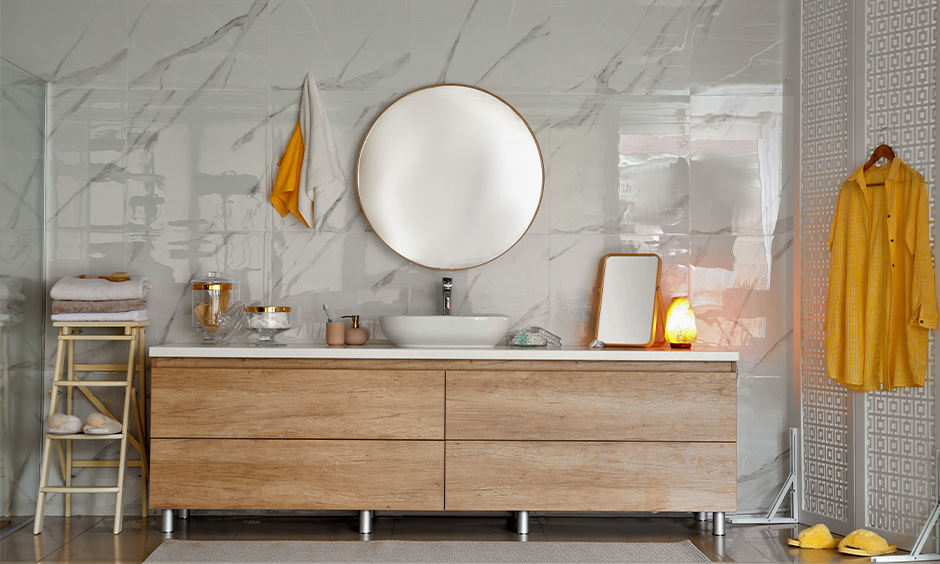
(322, 182)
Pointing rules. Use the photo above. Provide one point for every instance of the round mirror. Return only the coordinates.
(450, 177)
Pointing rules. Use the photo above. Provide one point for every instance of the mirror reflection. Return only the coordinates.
(450, 177)
(628, 303)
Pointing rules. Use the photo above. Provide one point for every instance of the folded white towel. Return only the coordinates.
(137, 315)
(10, 286)
(11, 317)
(92, 289)
(13, 297)
(322, 181)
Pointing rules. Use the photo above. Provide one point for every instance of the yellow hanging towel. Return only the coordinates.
(286, 191)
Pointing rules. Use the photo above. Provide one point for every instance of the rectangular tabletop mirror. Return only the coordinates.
(629, 304)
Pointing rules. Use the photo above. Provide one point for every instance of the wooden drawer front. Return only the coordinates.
(576, 476)
(296, 474)
(614, 406)
(297, 403)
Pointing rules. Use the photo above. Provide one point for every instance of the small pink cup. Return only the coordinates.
(336, 333)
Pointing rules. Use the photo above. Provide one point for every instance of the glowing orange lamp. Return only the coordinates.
(680, 323)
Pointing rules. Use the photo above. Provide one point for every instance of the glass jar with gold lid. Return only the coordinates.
(212, 295)
(268, 321)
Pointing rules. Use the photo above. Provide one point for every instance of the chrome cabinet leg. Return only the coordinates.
(718, 523)
(522, 522)
(700, 516)
(166, 521)
(365, 522)
(183, 514)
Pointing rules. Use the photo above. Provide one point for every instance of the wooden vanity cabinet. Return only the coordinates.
(282, 434)
(517, 435)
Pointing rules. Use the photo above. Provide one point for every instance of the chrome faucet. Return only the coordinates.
(448, 286)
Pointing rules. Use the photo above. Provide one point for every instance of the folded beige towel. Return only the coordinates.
(72, 288)
(100, 306)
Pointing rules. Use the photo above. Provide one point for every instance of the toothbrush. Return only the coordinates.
(329, 316)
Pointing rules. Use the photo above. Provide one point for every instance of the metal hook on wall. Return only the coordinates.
(884, 135)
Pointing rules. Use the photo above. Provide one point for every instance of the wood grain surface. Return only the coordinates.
(448, 364)
(590, 476)
(296, 474)
(591, 406)
(294, 403)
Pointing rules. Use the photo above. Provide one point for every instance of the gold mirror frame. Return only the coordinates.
(450, 176)
(629, 305)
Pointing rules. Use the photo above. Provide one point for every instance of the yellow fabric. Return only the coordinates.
(882, 300)
(817, 536)
(286, 189)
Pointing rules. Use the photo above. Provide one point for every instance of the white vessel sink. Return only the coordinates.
(445, 331)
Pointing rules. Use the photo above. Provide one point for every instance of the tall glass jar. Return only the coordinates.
(212, 295)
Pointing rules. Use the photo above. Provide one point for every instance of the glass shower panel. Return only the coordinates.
(22, 141)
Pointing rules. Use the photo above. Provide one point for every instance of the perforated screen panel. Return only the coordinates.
(825, 160)
(901, 93)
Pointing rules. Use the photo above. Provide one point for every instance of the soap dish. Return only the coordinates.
(525, 339)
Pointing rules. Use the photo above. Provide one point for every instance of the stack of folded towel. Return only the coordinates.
(11, 299)
(93, 299)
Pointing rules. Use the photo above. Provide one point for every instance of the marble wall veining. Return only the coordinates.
(665, 126)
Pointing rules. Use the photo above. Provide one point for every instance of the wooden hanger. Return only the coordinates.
(881, 151)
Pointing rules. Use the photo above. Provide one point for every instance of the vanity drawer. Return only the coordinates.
(596, 406)
(590, 476)
(296, 474)
(297, 403)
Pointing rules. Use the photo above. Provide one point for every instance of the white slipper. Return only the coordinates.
(99, 424)
(61, 424)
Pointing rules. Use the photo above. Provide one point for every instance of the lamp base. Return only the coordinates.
(681, 345)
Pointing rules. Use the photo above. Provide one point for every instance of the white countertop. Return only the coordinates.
(388, 351)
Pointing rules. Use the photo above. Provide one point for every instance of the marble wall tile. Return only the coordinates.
(196, 160)
(515, 284)
(197, 45)
(501, 46)
(353, 273)
(22, 146)
(737, 165)
(72, 44)
(604, 47)
(620, 165)
(742, 296)
(349, 46)
(172, 259)
(86, 140)
(662, 125)
(739, 47)
(573, 270)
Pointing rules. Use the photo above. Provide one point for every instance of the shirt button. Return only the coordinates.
(892, 240)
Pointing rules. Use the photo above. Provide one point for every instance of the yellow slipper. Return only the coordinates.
(817, 536)
(865, 543)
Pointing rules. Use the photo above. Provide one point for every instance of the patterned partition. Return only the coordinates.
(901, 92)
(900, 77)
(825, 123)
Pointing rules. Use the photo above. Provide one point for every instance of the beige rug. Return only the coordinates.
(400, 552)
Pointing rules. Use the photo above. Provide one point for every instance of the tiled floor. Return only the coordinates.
(90, 539)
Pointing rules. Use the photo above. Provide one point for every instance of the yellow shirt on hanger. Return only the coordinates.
(882, 299)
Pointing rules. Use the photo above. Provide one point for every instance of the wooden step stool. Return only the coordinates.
(66, 382)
